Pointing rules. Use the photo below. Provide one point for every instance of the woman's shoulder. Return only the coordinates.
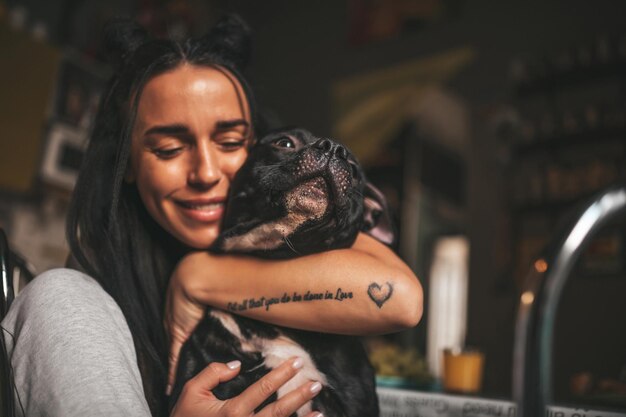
(62, 283)
(71, 350)
(61, 277)
(61, 292)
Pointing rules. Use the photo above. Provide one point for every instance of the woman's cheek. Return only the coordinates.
(156, 180)
(235, 163)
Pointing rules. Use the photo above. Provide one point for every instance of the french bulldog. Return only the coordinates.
(296, 194)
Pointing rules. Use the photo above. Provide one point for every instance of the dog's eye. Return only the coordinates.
(285, 142)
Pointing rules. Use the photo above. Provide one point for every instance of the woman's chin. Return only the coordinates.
(199, 240)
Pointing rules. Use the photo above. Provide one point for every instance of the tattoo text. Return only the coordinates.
(267, 302)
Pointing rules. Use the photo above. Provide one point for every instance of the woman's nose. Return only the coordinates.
(204, 172)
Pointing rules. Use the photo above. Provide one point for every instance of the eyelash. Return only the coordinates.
(233, 145)
(167, 153)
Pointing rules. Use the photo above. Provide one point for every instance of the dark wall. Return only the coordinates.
(301, 46)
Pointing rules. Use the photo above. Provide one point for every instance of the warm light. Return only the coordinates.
(541, 265)
(527, 297)
(199, 86)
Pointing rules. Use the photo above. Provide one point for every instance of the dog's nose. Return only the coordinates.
(341, 152)
(323, 144)
(327, 146)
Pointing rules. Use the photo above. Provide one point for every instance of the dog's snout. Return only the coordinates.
(328, 146)
(324, 144)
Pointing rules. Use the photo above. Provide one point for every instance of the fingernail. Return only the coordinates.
(297, 363)
(233, 364)
(318, 415)
(168, 389)
(315, 388)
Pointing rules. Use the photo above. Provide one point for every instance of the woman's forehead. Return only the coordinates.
(201, 88)
(186, 78)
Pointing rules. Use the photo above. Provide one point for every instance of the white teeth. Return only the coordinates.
(204, 207)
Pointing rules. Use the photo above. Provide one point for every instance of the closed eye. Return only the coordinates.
(167, 153)
(232, 145)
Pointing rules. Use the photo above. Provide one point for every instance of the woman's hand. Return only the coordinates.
(196, 398)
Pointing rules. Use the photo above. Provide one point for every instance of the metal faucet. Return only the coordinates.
(534, 328)
(6, 276)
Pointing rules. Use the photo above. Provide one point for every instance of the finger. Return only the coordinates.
(258, 392)
(175, 347)
(214, 374)
(292, 401)
(177, 339)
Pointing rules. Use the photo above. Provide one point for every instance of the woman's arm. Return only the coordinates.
(363, 290)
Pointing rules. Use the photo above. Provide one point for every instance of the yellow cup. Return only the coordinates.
(462, 370)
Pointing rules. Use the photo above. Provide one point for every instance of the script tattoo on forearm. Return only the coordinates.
(295, 297)
(380, 293)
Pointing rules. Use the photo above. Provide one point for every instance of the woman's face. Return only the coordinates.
(189, 139)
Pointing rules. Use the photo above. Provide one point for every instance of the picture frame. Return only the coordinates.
(79, 88)
(64, 151)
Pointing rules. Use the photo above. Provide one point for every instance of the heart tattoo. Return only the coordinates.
(380, 294)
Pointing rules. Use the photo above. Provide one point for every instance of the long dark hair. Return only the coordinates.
(109, 231)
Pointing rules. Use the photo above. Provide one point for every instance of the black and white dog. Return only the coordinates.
(295, 195)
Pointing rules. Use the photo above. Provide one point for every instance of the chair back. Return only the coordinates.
(7, 293)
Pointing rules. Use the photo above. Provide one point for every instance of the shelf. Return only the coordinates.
(563, 80)
(547, 207)
(552, 206)
(587, 138)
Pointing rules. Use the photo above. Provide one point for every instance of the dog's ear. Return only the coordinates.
(376, 216)
(230, 40)
(122, 37)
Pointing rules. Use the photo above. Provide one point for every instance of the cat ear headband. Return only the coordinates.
(228, 41)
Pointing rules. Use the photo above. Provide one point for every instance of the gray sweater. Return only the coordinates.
(71, 350)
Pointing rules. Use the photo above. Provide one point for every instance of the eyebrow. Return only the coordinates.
(173, 129)
(177, 129)
(228, 124)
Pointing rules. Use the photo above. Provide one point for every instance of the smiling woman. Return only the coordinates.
(190, 137)
(172, 130)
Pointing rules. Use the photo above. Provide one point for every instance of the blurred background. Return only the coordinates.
(485, 123)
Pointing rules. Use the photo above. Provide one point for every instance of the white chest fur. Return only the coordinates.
(275, 352)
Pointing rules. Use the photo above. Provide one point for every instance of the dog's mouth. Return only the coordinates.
(309, 199)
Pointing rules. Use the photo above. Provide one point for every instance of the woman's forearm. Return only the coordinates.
(362, 290)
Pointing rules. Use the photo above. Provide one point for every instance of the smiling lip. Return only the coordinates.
(206, 210)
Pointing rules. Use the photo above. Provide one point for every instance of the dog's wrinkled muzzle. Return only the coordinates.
(328, 160)
(309, 198)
